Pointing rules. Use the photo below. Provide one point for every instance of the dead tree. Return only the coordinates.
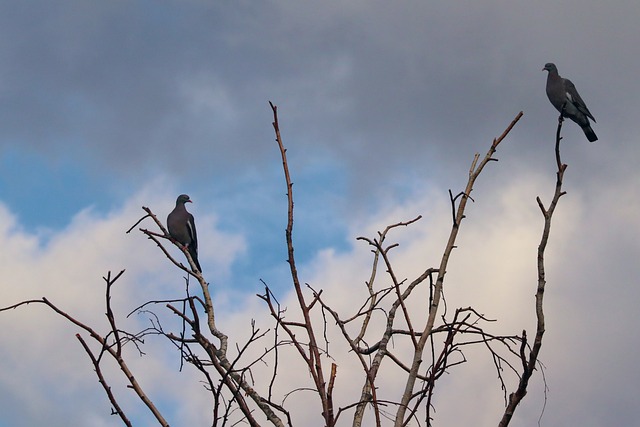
(438, 341)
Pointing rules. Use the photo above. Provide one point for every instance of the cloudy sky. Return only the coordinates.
(109, 106)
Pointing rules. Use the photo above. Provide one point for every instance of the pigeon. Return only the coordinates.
(183, 228)
(562, 92)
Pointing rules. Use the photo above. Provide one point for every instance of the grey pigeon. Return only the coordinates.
(562, 92)
(182, 227)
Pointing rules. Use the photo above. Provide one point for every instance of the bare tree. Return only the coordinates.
(438, 340)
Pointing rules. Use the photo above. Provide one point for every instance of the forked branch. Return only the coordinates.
(474, 172)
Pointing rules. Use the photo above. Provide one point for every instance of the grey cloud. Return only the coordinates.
(381, 86)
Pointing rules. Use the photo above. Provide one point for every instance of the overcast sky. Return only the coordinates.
(109, 106)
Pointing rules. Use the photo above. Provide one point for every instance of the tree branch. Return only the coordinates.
(529, 363)
(474, 172)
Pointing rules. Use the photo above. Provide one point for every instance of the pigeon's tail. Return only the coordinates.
(194, 256)
(591, 135)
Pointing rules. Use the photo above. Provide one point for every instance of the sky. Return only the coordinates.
(106, 107)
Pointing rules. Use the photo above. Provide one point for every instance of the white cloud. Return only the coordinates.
(493, 270)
